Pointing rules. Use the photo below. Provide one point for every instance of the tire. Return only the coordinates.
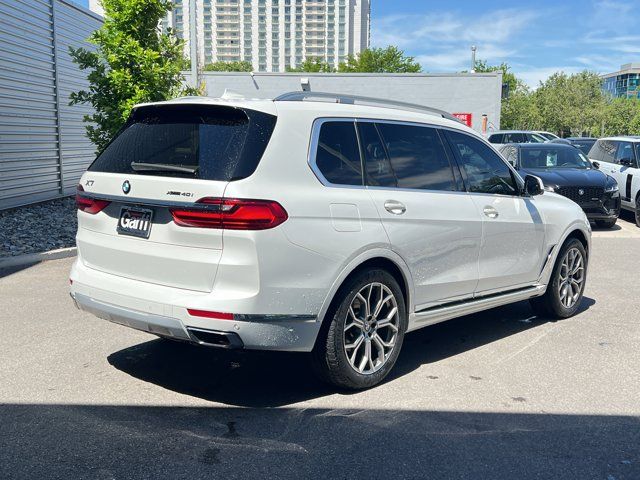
(606, 223)
(346, 339)
(553, 304)
(637, 212)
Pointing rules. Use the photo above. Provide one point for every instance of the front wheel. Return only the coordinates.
(638, 211)
(361, 344)
(566, 286)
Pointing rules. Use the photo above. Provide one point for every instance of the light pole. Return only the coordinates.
(473, 58)
(193, 43)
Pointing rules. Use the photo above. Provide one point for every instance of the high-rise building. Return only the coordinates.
(273, 34)
(624, 83)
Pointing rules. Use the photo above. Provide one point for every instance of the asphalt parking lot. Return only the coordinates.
(502, 394)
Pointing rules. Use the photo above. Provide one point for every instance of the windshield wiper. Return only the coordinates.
(161, 167)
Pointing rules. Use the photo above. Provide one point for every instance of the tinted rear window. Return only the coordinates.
(584, 145)
(338, 156)
(206, 142)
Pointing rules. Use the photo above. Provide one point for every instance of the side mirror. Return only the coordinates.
(533, 185)
(626, 162)
(596, 165)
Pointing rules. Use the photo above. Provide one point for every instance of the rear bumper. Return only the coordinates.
(296, 333)
(158, 325)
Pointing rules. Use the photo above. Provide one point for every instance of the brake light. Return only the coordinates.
(87, 204)
(232, 214)
(208, 314)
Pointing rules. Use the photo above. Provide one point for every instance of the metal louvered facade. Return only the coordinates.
(43, 147)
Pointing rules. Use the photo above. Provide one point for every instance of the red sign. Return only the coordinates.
(465, 118)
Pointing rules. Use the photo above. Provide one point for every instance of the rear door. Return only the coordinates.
(169, 157)
(512, 249)
(432, 224)
(626, 169)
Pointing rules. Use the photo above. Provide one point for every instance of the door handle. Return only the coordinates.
(490, 212)
(395, 207)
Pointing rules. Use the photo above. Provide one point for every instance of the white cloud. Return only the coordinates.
(442, 41)
(446, 28)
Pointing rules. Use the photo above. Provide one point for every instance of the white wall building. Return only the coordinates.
(273, 34)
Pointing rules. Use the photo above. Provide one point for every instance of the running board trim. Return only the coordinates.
(442, 313)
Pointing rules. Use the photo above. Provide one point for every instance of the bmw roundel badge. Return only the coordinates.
(580, 192)
(126, 187)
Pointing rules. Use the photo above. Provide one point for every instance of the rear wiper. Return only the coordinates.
(161, 167)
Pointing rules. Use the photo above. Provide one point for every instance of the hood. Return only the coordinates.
(568, 177)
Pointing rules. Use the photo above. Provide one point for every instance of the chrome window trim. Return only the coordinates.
(313, 148)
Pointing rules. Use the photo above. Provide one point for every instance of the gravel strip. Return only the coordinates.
(38, 228)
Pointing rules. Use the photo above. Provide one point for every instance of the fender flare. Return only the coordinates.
(352, 264)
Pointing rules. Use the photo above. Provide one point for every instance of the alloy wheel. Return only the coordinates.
(571, 278)
(371, 328)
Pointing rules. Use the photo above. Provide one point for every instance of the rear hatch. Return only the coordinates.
(147, 205)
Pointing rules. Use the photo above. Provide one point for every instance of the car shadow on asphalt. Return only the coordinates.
(272, 379)
(63, 441)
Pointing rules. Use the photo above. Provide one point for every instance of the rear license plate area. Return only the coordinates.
(135, 222)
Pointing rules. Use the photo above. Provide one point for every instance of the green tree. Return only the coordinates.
(571, 103)
(312, 65)
(132, 63)
(380, 60)
(520, 111)
(229, 67)
(622, 117)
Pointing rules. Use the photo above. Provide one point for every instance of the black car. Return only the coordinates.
(583, 144)
(565, 170)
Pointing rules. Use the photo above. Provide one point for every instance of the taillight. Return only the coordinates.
(209, 314)
(87, 204)
(232, 214)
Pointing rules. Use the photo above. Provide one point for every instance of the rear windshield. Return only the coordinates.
(583, 145)
(207, 142)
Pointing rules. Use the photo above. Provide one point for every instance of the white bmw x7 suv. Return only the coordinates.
(315, 223)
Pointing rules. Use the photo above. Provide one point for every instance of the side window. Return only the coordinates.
(608, 151)
(624, 152)
(486, 172)
(338, 156)
(596, 151)
(514, 138)
(378, 169)
(417, 157)
(497, 138)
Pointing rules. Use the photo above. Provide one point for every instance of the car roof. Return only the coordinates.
(629, 138)
(577, 139)
(540, 145)
(328, 108)
(512, 131)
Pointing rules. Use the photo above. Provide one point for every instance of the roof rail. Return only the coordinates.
(359, 100)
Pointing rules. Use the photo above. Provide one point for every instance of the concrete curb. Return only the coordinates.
(21, 260)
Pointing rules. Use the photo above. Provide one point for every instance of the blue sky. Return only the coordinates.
(536, 38)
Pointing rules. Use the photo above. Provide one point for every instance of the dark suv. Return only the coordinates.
(567, 171)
